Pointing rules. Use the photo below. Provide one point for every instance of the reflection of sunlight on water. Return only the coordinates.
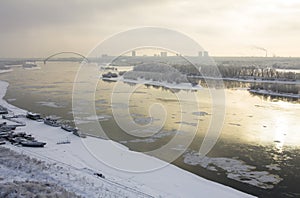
(284, 104)
(281, 127)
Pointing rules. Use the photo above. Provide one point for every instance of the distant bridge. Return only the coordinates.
(66, 53)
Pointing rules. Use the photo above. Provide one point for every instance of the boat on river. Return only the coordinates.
(110, 75)
(3, 110)
(51, 122)
(33, 144)
(33, 116)
(68, 128)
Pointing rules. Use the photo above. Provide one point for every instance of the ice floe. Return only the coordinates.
(50, 104)
(235, 169)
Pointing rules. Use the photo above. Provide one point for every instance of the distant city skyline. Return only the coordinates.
(33, 28)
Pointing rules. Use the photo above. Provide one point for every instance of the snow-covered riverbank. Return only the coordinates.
(273, 93)
(249, 80)
(179, 86)
(78, 166)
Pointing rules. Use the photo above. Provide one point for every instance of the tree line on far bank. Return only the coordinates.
(243, 72)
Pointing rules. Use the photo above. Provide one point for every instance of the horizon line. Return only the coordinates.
(42, 58)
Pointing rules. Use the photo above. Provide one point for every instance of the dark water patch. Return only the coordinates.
(200, 113)
(234, 124)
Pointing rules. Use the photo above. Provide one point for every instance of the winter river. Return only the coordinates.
(257, 149)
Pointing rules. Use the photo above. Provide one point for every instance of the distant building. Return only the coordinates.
(163, 54)
(133, 53)
(205, 53)
(104, 55)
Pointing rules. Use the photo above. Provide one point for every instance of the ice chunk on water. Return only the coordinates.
(235, 169)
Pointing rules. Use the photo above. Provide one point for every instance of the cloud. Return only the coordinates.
(15, 14)
(39, 27)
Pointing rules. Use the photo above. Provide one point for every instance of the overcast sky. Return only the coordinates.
(38, 28)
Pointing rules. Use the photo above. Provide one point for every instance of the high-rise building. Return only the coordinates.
(205, 53)
(200, 53)
(133, 53)
(163, 54)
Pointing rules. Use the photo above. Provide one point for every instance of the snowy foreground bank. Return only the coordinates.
(73, 167)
